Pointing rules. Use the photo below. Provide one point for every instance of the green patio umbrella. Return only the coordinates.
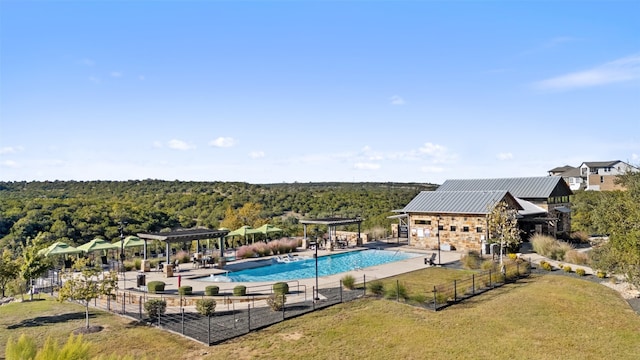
(268, 229)
(243, 231)
(59, 248)
(130, 241)
(98, 244)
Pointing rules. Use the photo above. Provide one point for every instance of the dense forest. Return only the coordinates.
(78, 211)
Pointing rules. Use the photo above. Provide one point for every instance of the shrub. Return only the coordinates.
(206, 307)
(395, 291)
(137, 264)
(418, 298)
(601, 274)
(155, 287)
(349, 282)
(26, 348)
(512, 256)
(185, 290)
(155, 307)
(276, 301)
(471, 260)
(542, 244)
(245, 252)
(442, 298)
(546, 266)
(240, 290)
(129, 265)
(376, 287)
(580, 272)
(488, 265)
(579, 237)
(211, 290)
(281, 288)
(576, 257)
(183, 257)
(262, 249)
(567, 268)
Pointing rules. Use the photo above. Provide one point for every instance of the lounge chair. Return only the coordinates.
(431, 261)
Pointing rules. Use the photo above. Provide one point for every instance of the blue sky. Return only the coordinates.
(285, 91)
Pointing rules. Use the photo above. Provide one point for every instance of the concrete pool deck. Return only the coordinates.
(301, 288)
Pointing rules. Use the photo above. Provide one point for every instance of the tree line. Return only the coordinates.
(76, 212)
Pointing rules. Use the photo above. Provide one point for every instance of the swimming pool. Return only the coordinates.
(306, 268)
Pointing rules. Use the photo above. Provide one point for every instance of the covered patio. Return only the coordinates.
(183, 236)
(332, 224)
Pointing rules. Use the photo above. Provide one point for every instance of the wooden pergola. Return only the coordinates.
(331, 224)
(183, 236)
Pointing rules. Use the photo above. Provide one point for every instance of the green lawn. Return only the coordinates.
(542, 317)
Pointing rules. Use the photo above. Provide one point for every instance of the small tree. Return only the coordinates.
(89, 284)
(9, 269)
(32, 266)
(503, 226)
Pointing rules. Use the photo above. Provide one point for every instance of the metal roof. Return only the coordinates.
(333, 221)
(184, 235)
(456, 202)
(529, 208)
(599, 164)
(528, 187)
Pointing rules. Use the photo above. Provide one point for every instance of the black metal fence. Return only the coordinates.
(234, 315)
(238, 315)
(447, 294)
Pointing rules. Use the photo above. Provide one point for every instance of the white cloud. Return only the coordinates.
(635, 157)
(620, 70)
(505, 156)
(366, 166)
(116, 74)
(432, 149)
(157, 144)
(180, 145)
(9, 150)
(222, 142)
(397, 100)
(256, 154)
(9, 164)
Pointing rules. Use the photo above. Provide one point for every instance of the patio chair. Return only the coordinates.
(431, 261)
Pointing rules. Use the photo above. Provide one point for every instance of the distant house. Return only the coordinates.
(593, 175)
(601, 175)
(456, 213)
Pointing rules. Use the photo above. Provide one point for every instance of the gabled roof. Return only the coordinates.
(561, 169)
(529, 208)
(600, 164)
(528, 187)
(457, 202)
(574, 172)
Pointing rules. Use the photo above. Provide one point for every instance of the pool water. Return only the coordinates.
(306, 268)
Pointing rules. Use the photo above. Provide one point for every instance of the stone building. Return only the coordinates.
(455, 215)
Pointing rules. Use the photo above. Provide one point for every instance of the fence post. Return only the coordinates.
(249, 316)
(491, 286)
(140, 307)
(209, 330)
(364, 282)
(314, 297)
(473, 284)
(435, 302)
(518, 268)
(340, 291)
(108, 302)
(159, 315)
(398, 290)
(124, 298)
(283, 300)
(455, 291)
(182, 313)
(234, 314)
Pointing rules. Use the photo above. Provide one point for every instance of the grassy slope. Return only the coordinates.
(548, 317)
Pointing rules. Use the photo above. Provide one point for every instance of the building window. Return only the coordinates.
(452, 228)
(465, 229)
(479, 229)
(601, 179)
(423, 222)
(440, 227)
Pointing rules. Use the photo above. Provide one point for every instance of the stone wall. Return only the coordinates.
(463, 232)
